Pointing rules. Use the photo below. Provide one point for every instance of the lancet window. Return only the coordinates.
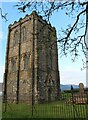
(24, 33)
(16, 38)
(13, 64)
(26, 58)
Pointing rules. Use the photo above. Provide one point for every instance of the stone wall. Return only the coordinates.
(32, 58)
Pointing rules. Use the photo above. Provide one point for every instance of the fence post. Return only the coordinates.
(72, 100)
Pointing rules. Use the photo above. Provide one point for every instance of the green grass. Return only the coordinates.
(49, 110)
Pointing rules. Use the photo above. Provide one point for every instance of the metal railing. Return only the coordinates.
(68, 106)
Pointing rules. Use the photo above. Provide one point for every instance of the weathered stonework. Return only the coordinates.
(31, 61)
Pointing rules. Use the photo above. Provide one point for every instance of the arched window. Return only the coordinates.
(25, 62)
(24, 33)
(13, 64)
(16, 38)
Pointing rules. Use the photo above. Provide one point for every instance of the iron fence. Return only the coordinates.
(68, 106)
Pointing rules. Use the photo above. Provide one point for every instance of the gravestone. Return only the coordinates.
(79, 98)
(81, 88)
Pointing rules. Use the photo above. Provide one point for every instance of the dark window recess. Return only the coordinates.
(13, 64)
(24, 34)
(16, 38)
(25, 62)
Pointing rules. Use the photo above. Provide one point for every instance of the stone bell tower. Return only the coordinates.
(31, 68)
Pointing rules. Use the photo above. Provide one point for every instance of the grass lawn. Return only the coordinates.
(48, 110)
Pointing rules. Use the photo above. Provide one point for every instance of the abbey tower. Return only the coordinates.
(31, 68)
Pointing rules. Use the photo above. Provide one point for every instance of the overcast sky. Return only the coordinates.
(70, 73)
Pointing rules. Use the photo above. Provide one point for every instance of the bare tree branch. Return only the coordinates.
(69, 43)
(3, 15)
